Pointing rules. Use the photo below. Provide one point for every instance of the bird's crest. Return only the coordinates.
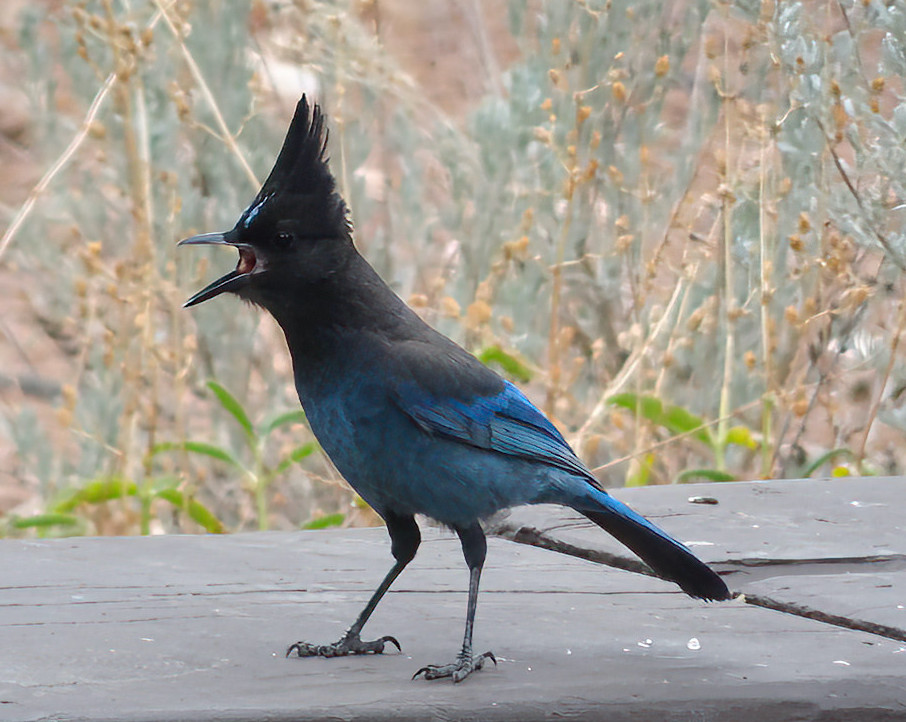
(301, 168)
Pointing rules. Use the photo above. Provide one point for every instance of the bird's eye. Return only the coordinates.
(283, 239)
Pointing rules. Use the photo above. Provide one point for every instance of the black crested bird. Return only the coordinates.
(413, 422)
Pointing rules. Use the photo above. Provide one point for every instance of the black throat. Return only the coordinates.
(322, 319)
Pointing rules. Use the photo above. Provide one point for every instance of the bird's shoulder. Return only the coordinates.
(448, 392)
(437, 366)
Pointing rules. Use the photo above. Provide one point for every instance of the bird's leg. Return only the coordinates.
(474, 546)
(351, 642)
(405, 538)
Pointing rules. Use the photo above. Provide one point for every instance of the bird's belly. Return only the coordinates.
(396, 466)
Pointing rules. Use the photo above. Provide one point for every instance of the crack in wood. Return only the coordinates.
(536, 537)
(896, 561)
(837, 620)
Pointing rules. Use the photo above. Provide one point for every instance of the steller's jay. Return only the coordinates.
(413, 422)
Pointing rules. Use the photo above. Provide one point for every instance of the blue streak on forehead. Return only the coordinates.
(255, 210)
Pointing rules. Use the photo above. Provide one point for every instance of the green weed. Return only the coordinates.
(258, 475)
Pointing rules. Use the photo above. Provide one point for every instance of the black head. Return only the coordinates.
(297, 228)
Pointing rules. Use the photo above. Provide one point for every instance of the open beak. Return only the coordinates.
(249, 264)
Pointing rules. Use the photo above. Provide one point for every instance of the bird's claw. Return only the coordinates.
(459, 670)
(349, 644)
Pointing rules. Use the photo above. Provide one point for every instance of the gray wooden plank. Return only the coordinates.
(860, 592)
(833, 549)
(753, 522)
(174, 628)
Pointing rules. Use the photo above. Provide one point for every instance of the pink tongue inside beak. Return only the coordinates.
(247, 260)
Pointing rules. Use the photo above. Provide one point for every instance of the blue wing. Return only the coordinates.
(505, 422)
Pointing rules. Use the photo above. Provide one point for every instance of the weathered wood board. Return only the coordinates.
(194, 627)
(835, 546)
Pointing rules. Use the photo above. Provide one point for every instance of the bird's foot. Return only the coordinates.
(459, 670)
(349, 644)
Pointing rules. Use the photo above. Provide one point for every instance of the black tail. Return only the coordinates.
(667, 557)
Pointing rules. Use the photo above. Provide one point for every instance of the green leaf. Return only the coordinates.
(290, 417)
(198, 447)
(826, 458)
(359, 503)
(97, 492)
(649, 407)
(512, 365)
(643, 475)
(45, 520)
(681, 421)
(741, 436)
(197, 511)
(675, 419)
(297, 454)
(323, 522)
(691, 475)
(231, 404)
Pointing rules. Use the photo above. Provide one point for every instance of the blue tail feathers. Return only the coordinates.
(667, 557)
